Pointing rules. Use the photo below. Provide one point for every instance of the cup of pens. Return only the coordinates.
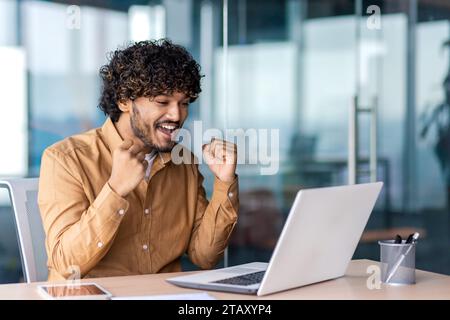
(398, 260)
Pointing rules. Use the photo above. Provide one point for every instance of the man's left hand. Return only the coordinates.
(221, 157)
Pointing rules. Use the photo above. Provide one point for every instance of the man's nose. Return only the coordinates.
(174, 112)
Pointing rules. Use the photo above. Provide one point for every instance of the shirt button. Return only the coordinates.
(146, 211)
(100, 244)
(121, 212)
(145, 247)
(230, 194)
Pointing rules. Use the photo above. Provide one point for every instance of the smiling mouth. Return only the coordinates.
(167, 129)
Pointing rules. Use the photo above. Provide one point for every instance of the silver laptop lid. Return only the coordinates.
(320, 235)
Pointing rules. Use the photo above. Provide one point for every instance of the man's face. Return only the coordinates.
(155, 120)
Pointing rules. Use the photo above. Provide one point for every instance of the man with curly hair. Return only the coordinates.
(112, 201)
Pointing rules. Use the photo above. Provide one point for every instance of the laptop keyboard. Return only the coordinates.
(243, 280)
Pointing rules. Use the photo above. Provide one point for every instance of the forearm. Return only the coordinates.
(213, 231)
(82, 244)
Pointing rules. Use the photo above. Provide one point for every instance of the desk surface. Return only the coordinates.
(352, 286)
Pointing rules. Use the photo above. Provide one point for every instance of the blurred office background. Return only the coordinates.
(321, 71)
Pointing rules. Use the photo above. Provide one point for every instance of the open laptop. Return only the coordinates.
(316, 244)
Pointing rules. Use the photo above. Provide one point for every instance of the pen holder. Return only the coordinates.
(397, 262)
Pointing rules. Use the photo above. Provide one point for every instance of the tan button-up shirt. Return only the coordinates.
(92, 229)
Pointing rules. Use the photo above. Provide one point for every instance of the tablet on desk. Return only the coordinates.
(74, 291)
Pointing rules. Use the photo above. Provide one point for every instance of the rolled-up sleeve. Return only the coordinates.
(79, 232)
(214, 222)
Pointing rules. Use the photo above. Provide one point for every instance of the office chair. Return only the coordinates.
(30, 232)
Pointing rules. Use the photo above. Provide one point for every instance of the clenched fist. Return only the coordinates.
(221, 157)
(128, 168)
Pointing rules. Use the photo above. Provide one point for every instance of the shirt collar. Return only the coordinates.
(112, 137)
(114, 140)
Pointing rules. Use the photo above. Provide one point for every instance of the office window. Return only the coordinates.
(291, 65)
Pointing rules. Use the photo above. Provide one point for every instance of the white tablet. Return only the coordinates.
(80, 291)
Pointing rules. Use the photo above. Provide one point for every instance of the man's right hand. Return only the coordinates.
(128, 168)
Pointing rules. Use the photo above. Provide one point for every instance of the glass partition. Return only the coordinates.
(286, 75)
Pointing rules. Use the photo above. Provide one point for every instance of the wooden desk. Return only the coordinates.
(352, 286)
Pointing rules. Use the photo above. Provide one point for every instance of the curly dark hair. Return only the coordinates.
(147, 69)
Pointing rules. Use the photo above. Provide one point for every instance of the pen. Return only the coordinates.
(410, 238)
(402, 257)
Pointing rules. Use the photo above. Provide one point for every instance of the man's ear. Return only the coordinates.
(124, 106)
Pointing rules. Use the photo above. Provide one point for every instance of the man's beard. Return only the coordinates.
(145, 138)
